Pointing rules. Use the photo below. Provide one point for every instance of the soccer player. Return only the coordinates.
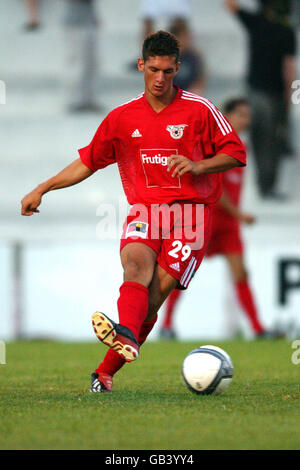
(171, 147)
(226, 237)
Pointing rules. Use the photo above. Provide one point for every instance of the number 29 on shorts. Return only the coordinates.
(180, 250)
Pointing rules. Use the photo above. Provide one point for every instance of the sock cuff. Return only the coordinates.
(135, 285)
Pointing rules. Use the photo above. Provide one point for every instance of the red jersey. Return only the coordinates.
(225, 232)
(232, 184)
(140, 140)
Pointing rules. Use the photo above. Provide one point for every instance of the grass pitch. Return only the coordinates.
(45, 401)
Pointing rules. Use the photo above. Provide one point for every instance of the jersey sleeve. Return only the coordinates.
(219, 136)
(100, 152)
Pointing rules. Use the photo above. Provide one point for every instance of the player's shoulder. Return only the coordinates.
(207, 111)
(199, 102)
(131, 104)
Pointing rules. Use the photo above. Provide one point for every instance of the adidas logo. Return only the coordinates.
(136, 133)
(175, 266)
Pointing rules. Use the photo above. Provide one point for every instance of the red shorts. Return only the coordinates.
(178, 233)
(225, 236)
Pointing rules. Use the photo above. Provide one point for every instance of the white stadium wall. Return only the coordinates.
(63, 283)
(50, 290)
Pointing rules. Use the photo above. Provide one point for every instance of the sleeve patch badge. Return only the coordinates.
(137, 229)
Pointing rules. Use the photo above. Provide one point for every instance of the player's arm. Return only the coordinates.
(221, 147)
(248, 18)
(72, 174)
(234, 211)
(232, 5)
(218, 163)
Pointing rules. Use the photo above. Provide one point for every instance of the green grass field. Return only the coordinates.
(45, 401)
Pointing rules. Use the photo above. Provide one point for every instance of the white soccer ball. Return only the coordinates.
(207, 370)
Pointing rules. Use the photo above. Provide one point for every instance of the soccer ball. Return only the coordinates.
(207, 370)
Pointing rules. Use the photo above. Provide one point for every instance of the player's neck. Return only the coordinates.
(161, 102)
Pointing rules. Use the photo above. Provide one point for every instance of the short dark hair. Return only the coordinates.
(161, 43)
(231, 104)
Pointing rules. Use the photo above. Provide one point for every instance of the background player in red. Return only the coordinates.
(171, 147)
(226, 237)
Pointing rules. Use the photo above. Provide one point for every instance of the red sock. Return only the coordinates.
(170, 307)
(247, 302)
(113, 362)
(133, 306)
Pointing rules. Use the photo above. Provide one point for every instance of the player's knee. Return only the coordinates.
(132, 269)
(135, 271)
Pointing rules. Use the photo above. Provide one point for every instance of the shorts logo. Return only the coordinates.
(137, 229)
(176, 131)
(175, 266)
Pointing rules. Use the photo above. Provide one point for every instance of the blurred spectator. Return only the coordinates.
(33, 22)
(191, 73)
(155, 10)
(272, 49)
(295, 12)
(81, 26)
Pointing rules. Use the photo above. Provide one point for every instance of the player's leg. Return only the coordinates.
(237, 267)
(149, 12)
(161, 278)
(278, 144)
(33, 14)
(148, 26)
(243, 290)
(182, 257)
(261, 134)
(167, 329)
(161, 285)
(138, 261)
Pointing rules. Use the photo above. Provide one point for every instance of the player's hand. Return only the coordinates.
(31, 202)
(247, 218)
(179, 165)
(232, 5)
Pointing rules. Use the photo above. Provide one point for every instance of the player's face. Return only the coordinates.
(240, 118)
(159, 72)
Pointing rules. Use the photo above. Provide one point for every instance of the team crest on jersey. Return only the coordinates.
(176, 131)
